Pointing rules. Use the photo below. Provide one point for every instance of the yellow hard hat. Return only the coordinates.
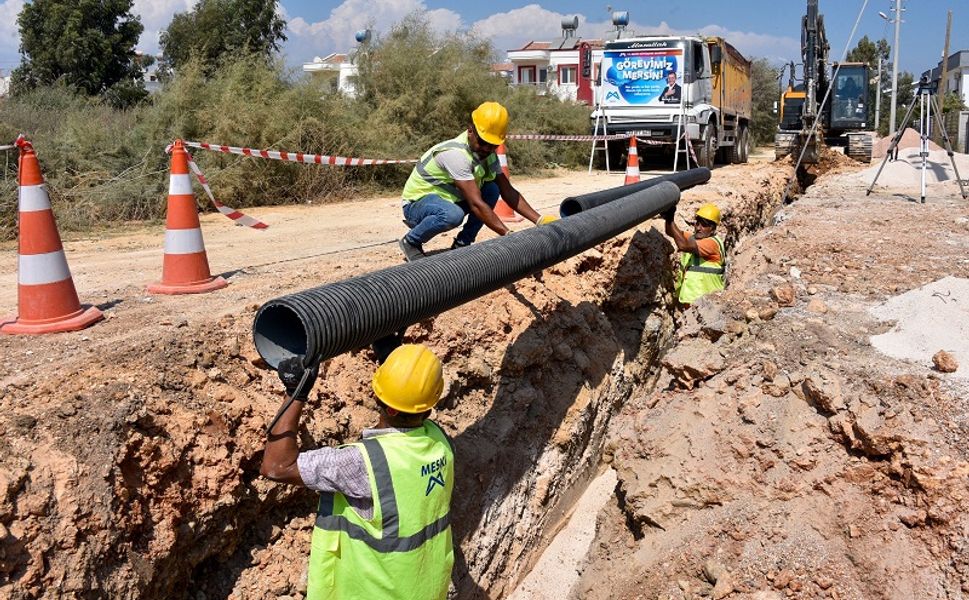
(491, 122)
(410, 380)
(710, 212)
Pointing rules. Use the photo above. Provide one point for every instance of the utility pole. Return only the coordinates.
(898, 31)
(878, 94)
(945, 59)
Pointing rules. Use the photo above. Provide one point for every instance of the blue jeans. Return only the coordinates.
(433, 214)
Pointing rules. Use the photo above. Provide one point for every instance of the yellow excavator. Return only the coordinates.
(844, 119)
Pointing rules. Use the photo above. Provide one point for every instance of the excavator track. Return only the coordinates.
(859, 146)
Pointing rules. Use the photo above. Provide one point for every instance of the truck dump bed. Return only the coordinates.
(731, 84)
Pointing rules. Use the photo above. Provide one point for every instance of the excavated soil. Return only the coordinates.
(771, 442)
(781, 455)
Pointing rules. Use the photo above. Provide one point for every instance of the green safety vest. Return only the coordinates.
(698, 278)
(429, 178)
(404, 550)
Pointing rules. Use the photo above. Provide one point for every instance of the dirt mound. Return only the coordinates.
(910, 139)
(781, 456)
(905, 174)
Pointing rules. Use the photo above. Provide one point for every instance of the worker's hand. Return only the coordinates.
(387, 344)
(669, 214)
(291, 371)
(546, 219)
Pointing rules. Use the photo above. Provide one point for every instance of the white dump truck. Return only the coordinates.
(655, 87)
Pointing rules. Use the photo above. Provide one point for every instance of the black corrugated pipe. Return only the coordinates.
(339, 317)
(684, 180)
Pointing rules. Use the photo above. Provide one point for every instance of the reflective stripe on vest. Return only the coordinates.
(390, 540)
(429, 178)
(700, 278)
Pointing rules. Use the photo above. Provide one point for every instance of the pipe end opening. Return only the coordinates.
(279, 333)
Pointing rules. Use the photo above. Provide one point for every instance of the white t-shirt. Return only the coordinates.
(456, 163)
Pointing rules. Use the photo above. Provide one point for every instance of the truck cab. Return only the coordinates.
(661, 87)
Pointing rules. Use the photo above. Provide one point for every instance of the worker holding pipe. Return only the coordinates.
(383, 524)
(702, 264)
(460, 177)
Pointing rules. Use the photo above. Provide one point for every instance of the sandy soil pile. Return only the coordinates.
(782, 456)
(911, 138)
(905, 174)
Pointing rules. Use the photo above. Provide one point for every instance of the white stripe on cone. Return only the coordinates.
(34, 198)
(183, 241)
(179, 185)
(38, 269)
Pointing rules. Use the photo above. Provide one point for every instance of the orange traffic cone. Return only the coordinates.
(46, 299)
(186, 266)
(632, 163)
(504, 212)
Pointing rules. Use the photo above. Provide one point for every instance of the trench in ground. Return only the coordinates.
(555, 563)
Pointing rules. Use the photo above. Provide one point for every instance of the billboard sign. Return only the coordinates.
(642, 77)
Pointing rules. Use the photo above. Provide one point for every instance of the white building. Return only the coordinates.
(4, 85)
(957, 80)
(334, 72)
(553, 67)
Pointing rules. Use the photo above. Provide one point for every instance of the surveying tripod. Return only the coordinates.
(928, 106)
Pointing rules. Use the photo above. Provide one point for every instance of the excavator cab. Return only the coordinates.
(849, 100)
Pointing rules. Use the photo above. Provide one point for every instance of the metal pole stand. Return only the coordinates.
(928, 106)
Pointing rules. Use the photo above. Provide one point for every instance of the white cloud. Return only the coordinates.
(9, 35)
(515, 28)
(155, 16)
(335, 34)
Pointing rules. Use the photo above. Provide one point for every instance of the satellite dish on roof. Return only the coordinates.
(362, 36)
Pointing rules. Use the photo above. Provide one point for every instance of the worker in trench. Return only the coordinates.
(462, 177)
(383, 523)
(703, 259)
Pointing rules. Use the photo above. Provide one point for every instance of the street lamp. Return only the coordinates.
(898, 23)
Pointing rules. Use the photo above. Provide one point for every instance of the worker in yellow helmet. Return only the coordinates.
(383, 524)
(462, 177)
(702, 264)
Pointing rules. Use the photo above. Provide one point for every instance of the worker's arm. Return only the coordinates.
(472, 195)
(683, 243)
(281, 451)
(515, 200)
(279, 456)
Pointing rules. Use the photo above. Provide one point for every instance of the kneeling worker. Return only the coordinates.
(462, 177)
(383, 524)
(702, 262)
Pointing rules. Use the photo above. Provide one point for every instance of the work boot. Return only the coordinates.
(411, 251)
(456, 244)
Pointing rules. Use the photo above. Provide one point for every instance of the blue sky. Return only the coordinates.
(759, 28)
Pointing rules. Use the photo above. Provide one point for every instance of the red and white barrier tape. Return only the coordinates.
(299, 157)
(237, 216)
(567, 138)
(21, 142)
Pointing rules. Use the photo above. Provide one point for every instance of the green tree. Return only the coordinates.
(86, 44)
(765, 92)
(216, 29)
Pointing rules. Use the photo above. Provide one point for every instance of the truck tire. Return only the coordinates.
(741, 148)
(706, 150)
